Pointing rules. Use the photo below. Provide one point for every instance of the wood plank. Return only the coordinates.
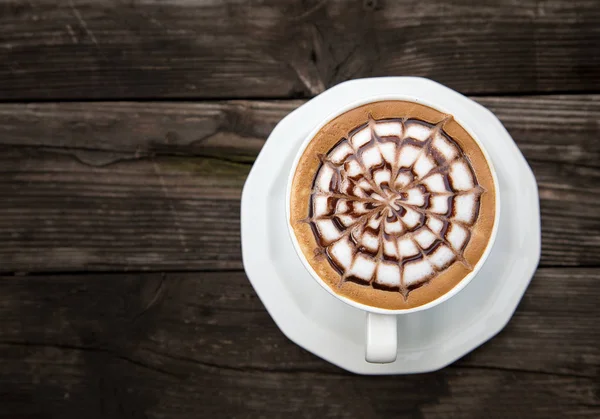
(104, 132)
(556, 128)
(227, 49)
(123, 186)
(560, 128)
(201, 344)
(181, 212)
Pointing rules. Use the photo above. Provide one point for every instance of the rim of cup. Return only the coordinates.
(463, 282)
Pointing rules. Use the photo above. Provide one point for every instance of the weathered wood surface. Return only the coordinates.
(156, 186)
(81, 49)
(201, 345)
(91, 190)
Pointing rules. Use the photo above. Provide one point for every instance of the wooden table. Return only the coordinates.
(127, 129)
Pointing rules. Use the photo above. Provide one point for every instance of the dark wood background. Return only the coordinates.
(127, 129)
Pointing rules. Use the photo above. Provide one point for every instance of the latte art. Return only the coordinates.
(392, 204)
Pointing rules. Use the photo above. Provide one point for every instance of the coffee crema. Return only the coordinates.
(392, 204)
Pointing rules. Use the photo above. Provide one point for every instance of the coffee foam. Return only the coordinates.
(395, 210)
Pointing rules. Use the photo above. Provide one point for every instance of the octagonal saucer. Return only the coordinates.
(335, 331)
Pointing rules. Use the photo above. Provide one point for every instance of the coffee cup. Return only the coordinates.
(355, 201)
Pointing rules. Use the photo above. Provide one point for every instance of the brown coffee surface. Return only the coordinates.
(392, 204)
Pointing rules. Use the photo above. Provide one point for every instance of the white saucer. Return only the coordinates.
(333, 330)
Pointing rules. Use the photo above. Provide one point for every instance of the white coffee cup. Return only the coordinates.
(381, 337)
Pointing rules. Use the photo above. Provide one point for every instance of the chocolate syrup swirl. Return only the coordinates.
(393, 204)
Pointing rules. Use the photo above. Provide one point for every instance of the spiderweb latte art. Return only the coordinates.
(393, 204)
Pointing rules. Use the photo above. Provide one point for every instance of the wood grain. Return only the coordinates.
(124, 186)
(81, 49)
(202, 345)
(554, 128)
(140, 183)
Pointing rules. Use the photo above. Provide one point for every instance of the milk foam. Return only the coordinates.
(394, 203)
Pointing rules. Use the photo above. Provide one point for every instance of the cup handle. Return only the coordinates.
(382, 338)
